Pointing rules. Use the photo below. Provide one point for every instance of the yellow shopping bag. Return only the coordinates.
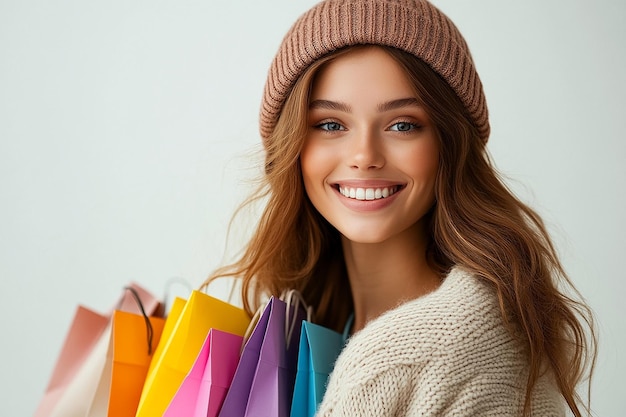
(168, 329)
(200, 314)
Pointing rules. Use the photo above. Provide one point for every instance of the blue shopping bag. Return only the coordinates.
(317, 353)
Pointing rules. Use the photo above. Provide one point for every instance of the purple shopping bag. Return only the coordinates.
(265, 376)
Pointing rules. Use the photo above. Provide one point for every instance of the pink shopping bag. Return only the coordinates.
(203, 390)
(86, 329)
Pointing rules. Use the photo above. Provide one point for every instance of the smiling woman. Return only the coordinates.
(370, 179)
(126, 131)
(364, 152)
(385, 212)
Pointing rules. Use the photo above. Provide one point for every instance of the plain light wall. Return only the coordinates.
(128, 132)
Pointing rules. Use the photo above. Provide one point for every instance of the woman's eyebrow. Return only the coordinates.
(399, 103)
(330, 105)
(383, 107)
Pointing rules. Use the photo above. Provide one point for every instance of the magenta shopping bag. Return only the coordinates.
(264, 380)
(202, 392)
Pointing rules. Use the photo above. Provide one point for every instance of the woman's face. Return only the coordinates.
(370, 157)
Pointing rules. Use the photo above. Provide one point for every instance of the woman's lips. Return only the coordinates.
(368, 196)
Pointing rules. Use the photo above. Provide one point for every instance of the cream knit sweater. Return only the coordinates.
(447, 353)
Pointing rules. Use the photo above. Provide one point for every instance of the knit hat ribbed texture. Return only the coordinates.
(414, 26)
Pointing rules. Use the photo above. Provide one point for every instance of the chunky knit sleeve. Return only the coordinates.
(445, 354)
(385, 394)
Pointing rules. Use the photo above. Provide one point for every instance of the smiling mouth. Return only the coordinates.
(368, 193)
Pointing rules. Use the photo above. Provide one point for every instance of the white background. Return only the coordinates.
(126, 129)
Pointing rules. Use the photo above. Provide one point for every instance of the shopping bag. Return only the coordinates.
(202, 392)
(86, 329)
(131, 344)
(200, 314)
(263, 381)
(168, 328)
(318, 351)
(82, 357)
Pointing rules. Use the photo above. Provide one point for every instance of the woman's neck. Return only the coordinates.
(383, 275)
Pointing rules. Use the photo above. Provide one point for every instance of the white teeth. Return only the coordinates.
(367, 193)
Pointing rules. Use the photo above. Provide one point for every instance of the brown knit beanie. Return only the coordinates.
(414, 26)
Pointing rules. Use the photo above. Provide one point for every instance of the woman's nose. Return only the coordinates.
(366, 152)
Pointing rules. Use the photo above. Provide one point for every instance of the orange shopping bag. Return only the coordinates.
(133, 340)
(76, 377)
(131, 344)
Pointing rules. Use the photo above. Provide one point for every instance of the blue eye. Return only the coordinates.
(330, 126)
(403, 127)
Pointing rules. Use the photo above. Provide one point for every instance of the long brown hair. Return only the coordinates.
(476, 223)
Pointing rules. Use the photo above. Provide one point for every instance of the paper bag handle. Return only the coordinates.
(149, 330)
(295, 299)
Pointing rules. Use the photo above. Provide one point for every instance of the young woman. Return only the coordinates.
(382, 205)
